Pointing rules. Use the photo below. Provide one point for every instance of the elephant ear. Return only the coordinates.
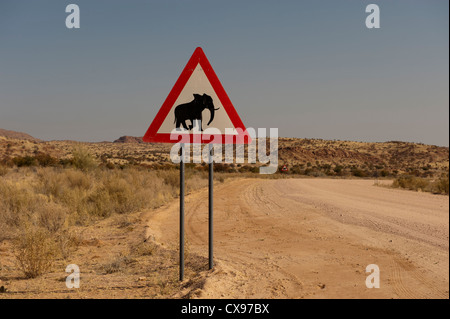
(197, 97)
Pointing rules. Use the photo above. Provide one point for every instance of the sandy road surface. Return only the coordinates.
(313, 238)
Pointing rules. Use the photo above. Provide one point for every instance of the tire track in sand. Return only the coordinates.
(272, 243)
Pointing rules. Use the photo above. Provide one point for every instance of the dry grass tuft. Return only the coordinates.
(117, 264)
(146, 248)
(82, 159)
(3, 170)
(35, 251)
(48, 201)
(437, 186)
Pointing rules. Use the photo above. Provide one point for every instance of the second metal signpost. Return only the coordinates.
(210, 210)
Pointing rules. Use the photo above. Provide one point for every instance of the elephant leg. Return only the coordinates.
(184, 125)
(199, 123)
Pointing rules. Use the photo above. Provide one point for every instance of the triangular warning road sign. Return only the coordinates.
(196, 103)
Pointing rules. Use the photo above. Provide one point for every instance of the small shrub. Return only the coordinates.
(338, 169)
(24, 161)
(100, 203)
(117, 264)
(52, 217)
(146, 248)
(411, 183)
(77, 179)
(82, 159)
(51, 183)
(67, 242)
(314, 172)
(171, 178)
(35, 251)
(5, 230)
(17, 203)
(3, 170)
(384, 173)
(441, 186)
(110, 165)
(358, 172)
(45, 160)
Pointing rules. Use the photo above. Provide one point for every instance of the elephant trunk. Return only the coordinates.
(212, 111)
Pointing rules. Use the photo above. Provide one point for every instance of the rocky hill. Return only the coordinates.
(17, 135)
(129, 139)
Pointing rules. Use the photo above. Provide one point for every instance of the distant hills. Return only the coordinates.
(24, 136)
(18, 135)
(308, 156)
(129, 139)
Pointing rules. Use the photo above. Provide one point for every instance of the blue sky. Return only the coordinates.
(310, 68)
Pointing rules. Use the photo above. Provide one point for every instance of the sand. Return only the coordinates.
(314, 238)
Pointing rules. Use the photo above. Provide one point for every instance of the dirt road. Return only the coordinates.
(313, 238)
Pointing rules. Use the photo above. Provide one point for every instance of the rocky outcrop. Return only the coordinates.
(129, 139)
(18, 135)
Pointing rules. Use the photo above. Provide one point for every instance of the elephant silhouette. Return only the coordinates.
(193, 111)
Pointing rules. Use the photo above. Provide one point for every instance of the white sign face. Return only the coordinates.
(198, 103)
(198, 84)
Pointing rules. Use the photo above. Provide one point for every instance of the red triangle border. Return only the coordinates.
(152, 135)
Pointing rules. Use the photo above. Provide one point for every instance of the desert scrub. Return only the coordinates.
(18, 203)
(35, 251)
(121, 192)
(66, 241)
(438, 186)
(146, 248)
(117, 264)
(411, 183)
(51, 197)
(52, 217)
(82, 159)
(3, 170)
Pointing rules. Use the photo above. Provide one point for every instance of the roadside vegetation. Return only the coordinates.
(435, 186)
(42, 197)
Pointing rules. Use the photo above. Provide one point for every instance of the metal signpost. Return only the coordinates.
(182, 214)
(210, 208)
(196, 90)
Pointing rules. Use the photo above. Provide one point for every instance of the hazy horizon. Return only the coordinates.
(311, 69)
(312, 138)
